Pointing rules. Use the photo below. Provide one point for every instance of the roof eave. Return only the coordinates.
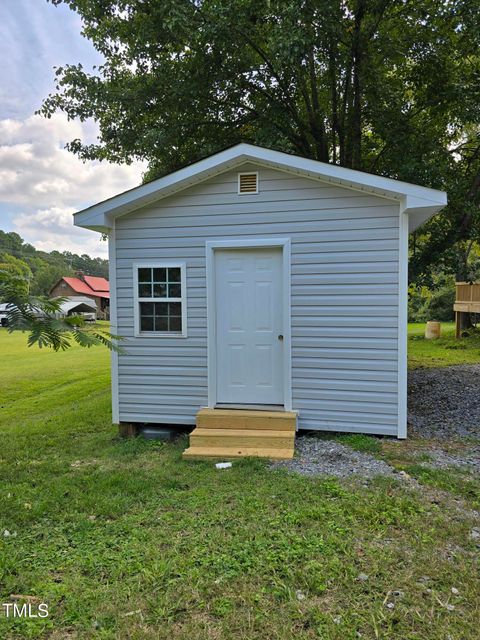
(421, 202)
(420, 210)
(100, 217)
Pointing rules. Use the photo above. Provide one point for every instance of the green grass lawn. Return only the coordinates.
(445, 351)
(124, 539)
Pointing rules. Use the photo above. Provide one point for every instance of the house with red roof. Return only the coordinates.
(81, 285)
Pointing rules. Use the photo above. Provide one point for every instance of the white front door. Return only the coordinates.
(249, 326)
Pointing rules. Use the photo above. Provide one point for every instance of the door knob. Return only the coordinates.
(280, 337)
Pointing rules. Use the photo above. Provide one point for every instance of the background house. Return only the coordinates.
(92, 287)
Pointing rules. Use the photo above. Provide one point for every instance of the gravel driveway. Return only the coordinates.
(443, 405)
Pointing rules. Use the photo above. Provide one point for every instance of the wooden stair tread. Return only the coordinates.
(251, 433)
(236, 433)
(248, 413)
(238, 452)
(242, 439)
(238, 419)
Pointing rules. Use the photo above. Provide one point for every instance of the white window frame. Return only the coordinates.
(247, 173)
(164, 264)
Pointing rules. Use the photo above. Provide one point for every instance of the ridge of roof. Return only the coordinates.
(422, 202)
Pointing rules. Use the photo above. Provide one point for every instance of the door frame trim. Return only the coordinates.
(252, 243)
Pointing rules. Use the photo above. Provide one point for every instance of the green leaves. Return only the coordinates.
(333, 81)
(40, 316)
(379, 85)
(37, 316)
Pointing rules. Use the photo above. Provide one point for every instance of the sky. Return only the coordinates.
(41, 183)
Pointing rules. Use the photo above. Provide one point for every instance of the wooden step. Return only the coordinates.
(236, 433)
(225, 453)
(246, 419)
(256, 438)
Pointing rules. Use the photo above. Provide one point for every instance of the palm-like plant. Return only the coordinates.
(39, 316)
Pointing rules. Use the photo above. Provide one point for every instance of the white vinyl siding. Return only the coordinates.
(344, 297)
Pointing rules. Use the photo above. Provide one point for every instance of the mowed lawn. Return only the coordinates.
(123, 539)
(445, 351)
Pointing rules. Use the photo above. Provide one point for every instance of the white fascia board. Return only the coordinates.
(358, 180)
(100, 216)
(420, 210)
(103, 213)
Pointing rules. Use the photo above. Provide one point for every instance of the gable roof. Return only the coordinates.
(79, 286)
(419, 202)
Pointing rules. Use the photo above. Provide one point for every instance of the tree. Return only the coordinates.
(39, 316)
(451, 241)
(14, 270)
(46, 275)
(389, 86)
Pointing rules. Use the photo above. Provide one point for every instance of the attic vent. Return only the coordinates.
(248, 183)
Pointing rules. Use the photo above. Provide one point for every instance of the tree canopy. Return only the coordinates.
(387, 86)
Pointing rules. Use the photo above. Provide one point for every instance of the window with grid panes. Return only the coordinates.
(160, 299)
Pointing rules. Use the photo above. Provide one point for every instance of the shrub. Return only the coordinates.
(440, 305)
(432, 304)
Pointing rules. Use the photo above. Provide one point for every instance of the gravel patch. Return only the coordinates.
(315, 456)
(468, 459)
(444, 403)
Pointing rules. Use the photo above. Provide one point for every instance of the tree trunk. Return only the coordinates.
(463, 254)
(335, 124)
(356, 116)
(465, 321)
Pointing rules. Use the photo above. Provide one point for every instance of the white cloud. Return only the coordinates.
(49, 229)
(49, 183)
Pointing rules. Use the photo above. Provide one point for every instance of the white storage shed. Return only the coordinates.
(257, 280)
